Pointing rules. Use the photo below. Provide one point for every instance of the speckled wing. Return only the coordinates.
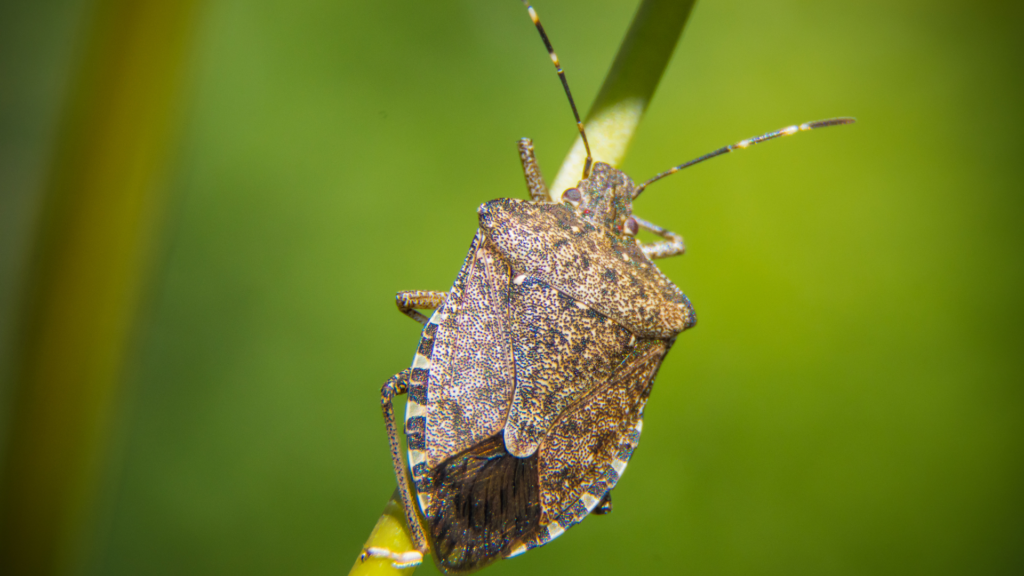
(608, 273)
(471, 378)
(563, 350)
(589, 446)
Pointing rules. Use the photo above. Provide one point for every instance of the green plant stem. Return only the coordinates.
(610, 125)
(391, 532)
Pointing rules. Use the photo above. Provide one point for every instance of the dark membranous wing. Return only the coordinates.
(612, 275)
(486, 503)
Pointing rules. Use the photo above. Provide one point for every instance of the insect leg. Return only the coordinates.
(407, 300)
(534, 181)
(672, 245)
(399, 384)
(605, 505)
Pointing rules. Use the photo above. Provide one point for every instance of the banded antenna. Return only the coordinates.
(745, 144)
(565, 84)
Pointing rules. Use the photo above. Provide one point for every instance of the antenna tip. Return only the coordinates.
(829, 122)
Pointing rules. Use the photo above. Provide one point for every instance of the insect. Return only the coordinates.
(527, 390)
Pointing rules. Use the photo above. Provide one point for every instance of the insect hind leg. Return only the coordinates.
(399, 560)
(399, 384)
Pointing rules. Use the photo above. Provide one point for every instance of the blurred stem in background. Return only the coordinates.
(101, 213)
(610, 124)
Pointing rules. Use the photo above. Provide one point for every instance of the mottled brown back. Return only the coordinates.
(563, 350)
(584, 442)
(585, 261)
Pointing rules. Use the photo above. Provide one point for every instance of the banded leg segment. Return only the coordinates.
(534, 181)
(672, 245)
(409, 300)
(399, 384)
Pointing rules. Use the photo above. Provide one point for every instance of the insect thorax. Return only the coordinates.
(607, 199)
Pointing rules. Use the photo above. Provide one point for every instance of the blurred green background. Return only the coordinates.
(851, 401)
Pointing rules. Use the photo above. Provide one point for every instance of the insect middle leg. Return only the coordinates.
(399, 384)
(408, 300)
(672, 245)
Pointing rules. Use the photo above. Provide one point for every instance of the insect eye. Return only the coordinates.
(572, 196)
(631, 227)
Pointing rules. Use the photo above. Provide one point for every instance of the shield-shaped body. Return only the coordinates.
(527, 390)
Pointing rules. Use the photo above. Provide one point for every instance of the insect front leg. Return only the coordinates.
(399, 384)
(672, 245)
(408, 300)
(534, 181)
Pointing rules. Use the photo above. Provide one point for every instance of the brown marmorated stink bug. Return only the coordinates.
(527, 390)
